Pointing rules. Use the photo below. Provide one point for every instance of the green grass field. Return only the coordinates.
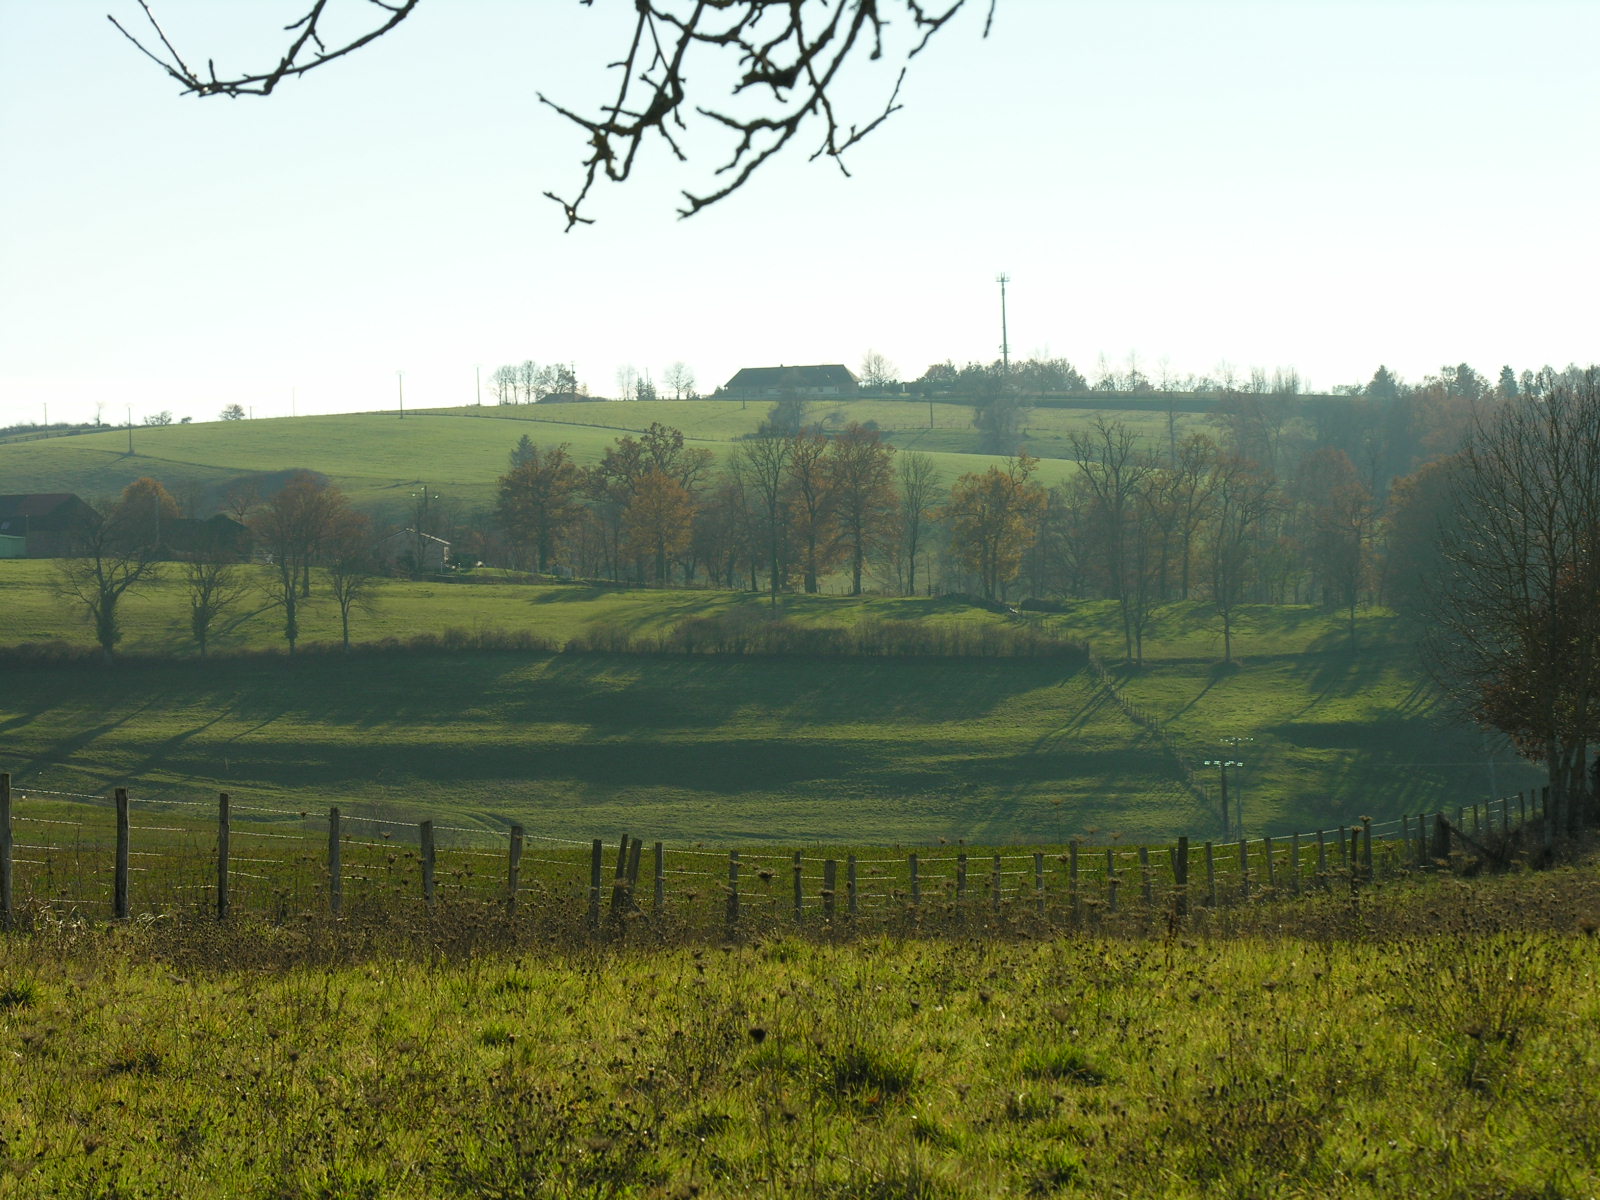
(378, 458)
(730, 749)
(1429, 1040)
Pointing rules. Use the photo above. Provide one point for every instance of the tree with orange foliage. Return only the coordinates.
(658, 521)
(862, 465)
(994, 519)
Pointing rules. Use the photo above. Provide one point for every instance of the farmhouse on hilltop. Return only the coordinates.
(48, 523)
(830, 379)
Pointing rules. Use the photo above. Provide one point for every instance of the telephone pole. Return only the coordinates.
(1005, 342)
(400, 382)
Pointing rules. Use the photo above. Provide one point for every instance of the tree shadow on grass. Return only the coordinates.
(1330, 671)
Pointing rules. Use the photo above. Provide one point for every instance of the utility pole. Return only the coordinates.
(130, 429)
(1238, 788)
(1005, 341)
(477, 379)
(294, 402)
(1222, 764)
(400, 382)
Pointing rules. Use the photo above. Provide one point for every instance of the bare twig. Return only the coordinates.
(787, 57)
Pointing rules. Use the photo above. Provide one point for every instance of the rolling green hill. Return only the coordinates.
(377, 458)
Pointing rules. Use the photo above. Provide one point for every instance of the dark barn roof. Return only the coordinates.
(777, 379)
(36, 506)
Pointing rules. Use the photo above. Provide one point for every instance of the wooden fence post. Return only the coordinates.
(1038, 883)
(633, 873)
(1294, 855)
(1441, 838)
(1272, 871)
(659, 863)
(830, 881)
(850, 884)
(335, 864)
(798, 871)
(961, 876)
(733, 893)
(1112, 882)
(1345, 863)
(1366, 847)
(998, 885)
(514, 869)
(1244, 868)
(425, 837)
(619, 879)
(1144, 876)
(597, 850)
(1522, 808)
(1322, 857)
(1505, 814)
(1073, 899)
(916, 881)
(223, 832)
(1180, 876)
(6, 897)
(1211, 876)
(119, 890)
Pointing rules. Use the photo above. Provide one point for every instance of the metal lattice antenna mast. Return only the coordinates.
(1005, 342)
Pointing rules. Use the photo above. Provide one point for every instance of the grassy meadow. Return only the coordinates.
(378, 458)
(613, 727)
(1434, 1035)
(1437, 1039)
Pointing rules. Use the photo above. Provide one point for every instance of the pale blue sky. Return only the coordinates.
(1320, 185)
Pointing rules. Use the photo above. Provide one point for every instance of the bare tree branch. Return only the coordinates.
(289, 63)
(786, 56)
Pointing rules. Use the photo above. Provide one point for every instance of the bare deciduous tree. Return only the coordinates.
(215, 585)
(1516, 631)
(877, 372)
(863, 477)
(785, 65)
(919, 487)
(352, 565)
(762, 466)
(105, 566)
(290, 528)
(680, 379)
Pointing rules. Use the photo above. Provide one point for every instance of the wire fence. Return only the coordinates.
(124, 857)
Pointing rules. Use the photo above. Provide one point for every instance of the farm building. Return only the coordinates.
(830, 379)
(218, 536)
(413, 551)
(47, 522)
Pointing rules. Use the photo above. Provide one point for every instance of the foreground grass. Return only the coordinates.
(1296, 1052)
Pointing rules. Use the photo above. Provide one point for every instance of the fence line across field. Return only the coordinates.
(330, 864)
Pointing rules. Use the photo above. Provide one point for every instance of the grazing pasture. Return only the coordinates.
(378, 458)
(1436, 1039)
(578, 710)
